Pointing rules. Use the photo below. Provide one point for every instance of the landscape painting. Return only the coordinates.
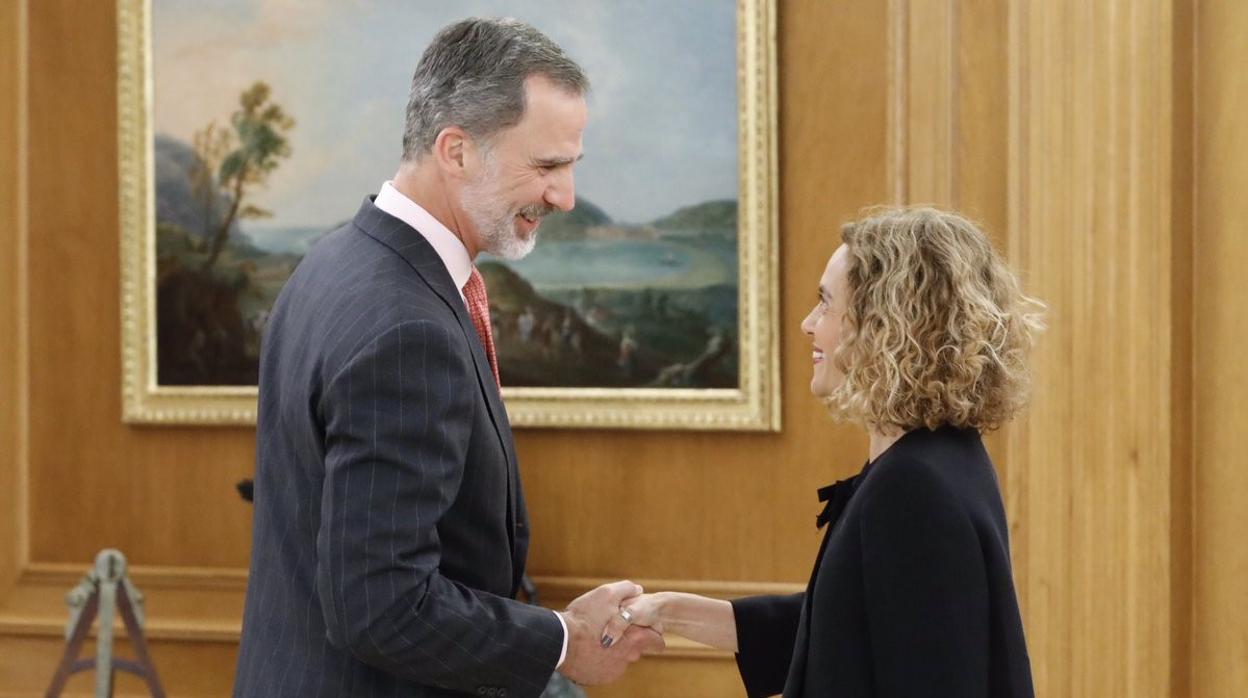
(614, 304)
(271, 120)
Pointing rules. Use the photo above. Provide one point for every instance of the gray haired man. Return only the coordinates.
(390, 529)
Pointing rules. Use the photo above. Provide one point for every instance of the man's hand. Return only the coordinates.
(591, 660)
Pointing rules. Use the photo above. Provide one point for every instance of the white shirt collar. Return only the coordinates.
(449, 247)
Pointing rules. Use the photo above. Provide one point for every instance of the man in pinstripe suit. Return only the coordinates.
(390, 528)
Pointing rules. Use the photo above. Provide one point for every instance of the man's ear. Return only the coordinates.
(450, 149)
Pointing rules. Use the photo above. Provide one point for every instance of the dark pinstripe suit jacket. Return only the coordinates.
(390, 530)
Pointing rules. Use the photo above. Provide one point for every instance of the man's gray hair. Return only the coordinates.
(472, 76)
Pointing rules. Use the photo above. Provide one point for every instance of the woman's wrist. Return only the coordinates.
(699, 618)
(677, 611)
(663, 601)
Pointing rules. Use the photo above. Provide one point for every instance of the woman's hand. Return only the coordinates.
(698, 618)
(708, 621)
(644, 610)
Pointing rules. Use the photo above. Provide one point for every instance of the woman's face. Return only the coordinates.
(823, 324)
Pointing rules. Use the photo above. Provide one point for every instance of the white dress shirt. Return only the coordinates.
(454, 255)
(449, 247)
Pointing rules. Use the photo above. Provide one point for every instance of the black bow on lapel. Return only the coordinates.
(837, 496)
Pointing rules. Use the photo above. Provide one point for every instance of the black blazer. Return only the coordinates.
(911, 594)
(390, 529)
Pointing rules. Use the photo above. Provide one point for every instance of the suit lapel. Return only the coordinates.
(409, 244)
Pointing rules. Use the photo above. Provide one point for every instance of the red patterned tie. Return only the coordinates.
(479, 311)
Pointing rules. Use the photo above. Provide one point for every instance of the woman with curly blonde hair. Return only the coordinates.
(921, 335)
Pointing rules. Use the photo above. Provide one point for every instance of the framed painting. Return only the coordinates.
(247, 130)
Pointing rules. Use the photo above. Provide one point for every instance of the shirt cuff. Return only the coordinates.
(563, 654)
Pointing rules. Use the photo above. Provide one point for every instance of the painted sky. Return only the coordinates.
(662, 131)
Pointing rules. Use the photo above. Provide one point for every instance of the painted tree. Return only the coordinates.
(238, 160)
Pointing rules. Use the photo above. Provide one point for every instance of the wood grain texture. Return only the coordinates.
(187, 669)
(1220, 480)
(12, 288)
(164, 496)
(1090, 173)
(931, 100)
(1182, 295)
(980, 120)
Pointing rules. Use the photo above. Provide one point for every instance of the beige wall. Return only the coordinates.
(1102, 145)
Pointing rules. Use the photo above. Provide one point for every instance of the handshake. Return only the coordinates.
(608, 629)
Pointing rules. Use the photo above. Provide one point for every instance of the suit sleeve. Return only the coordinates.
(926, 590)
(397, 424)
(766, 633)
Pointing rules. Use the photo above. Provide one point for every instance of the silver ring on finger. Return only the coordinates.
(626, 615)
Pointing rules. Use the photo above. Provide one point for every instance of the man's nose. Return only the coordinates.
(562, 193)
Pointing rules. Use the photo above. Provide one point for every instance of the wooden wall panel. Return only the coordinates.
(981, 109)
(164, 496)
(187, 669)
(925, 91)
(1091, 183)
(1220, 485)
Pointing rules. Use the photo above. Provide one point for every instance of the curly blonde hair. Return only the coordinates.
(936, 330)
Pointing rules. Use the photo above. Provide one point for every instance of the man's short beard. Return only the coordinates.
(492, 217)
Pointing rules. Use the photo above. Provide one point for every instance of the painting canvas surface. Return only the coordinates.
(273, 119)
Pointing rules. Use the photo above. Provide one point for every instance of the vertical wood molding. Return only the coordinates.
(1182, 339)
(1018, 434)
(1090, 227)
(1220, 409)
(931, 106)
(13, 362)
(896, 129)
(923, 101)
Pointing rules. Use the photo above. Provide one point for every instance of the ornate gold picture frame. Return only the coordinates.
(729, 382)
